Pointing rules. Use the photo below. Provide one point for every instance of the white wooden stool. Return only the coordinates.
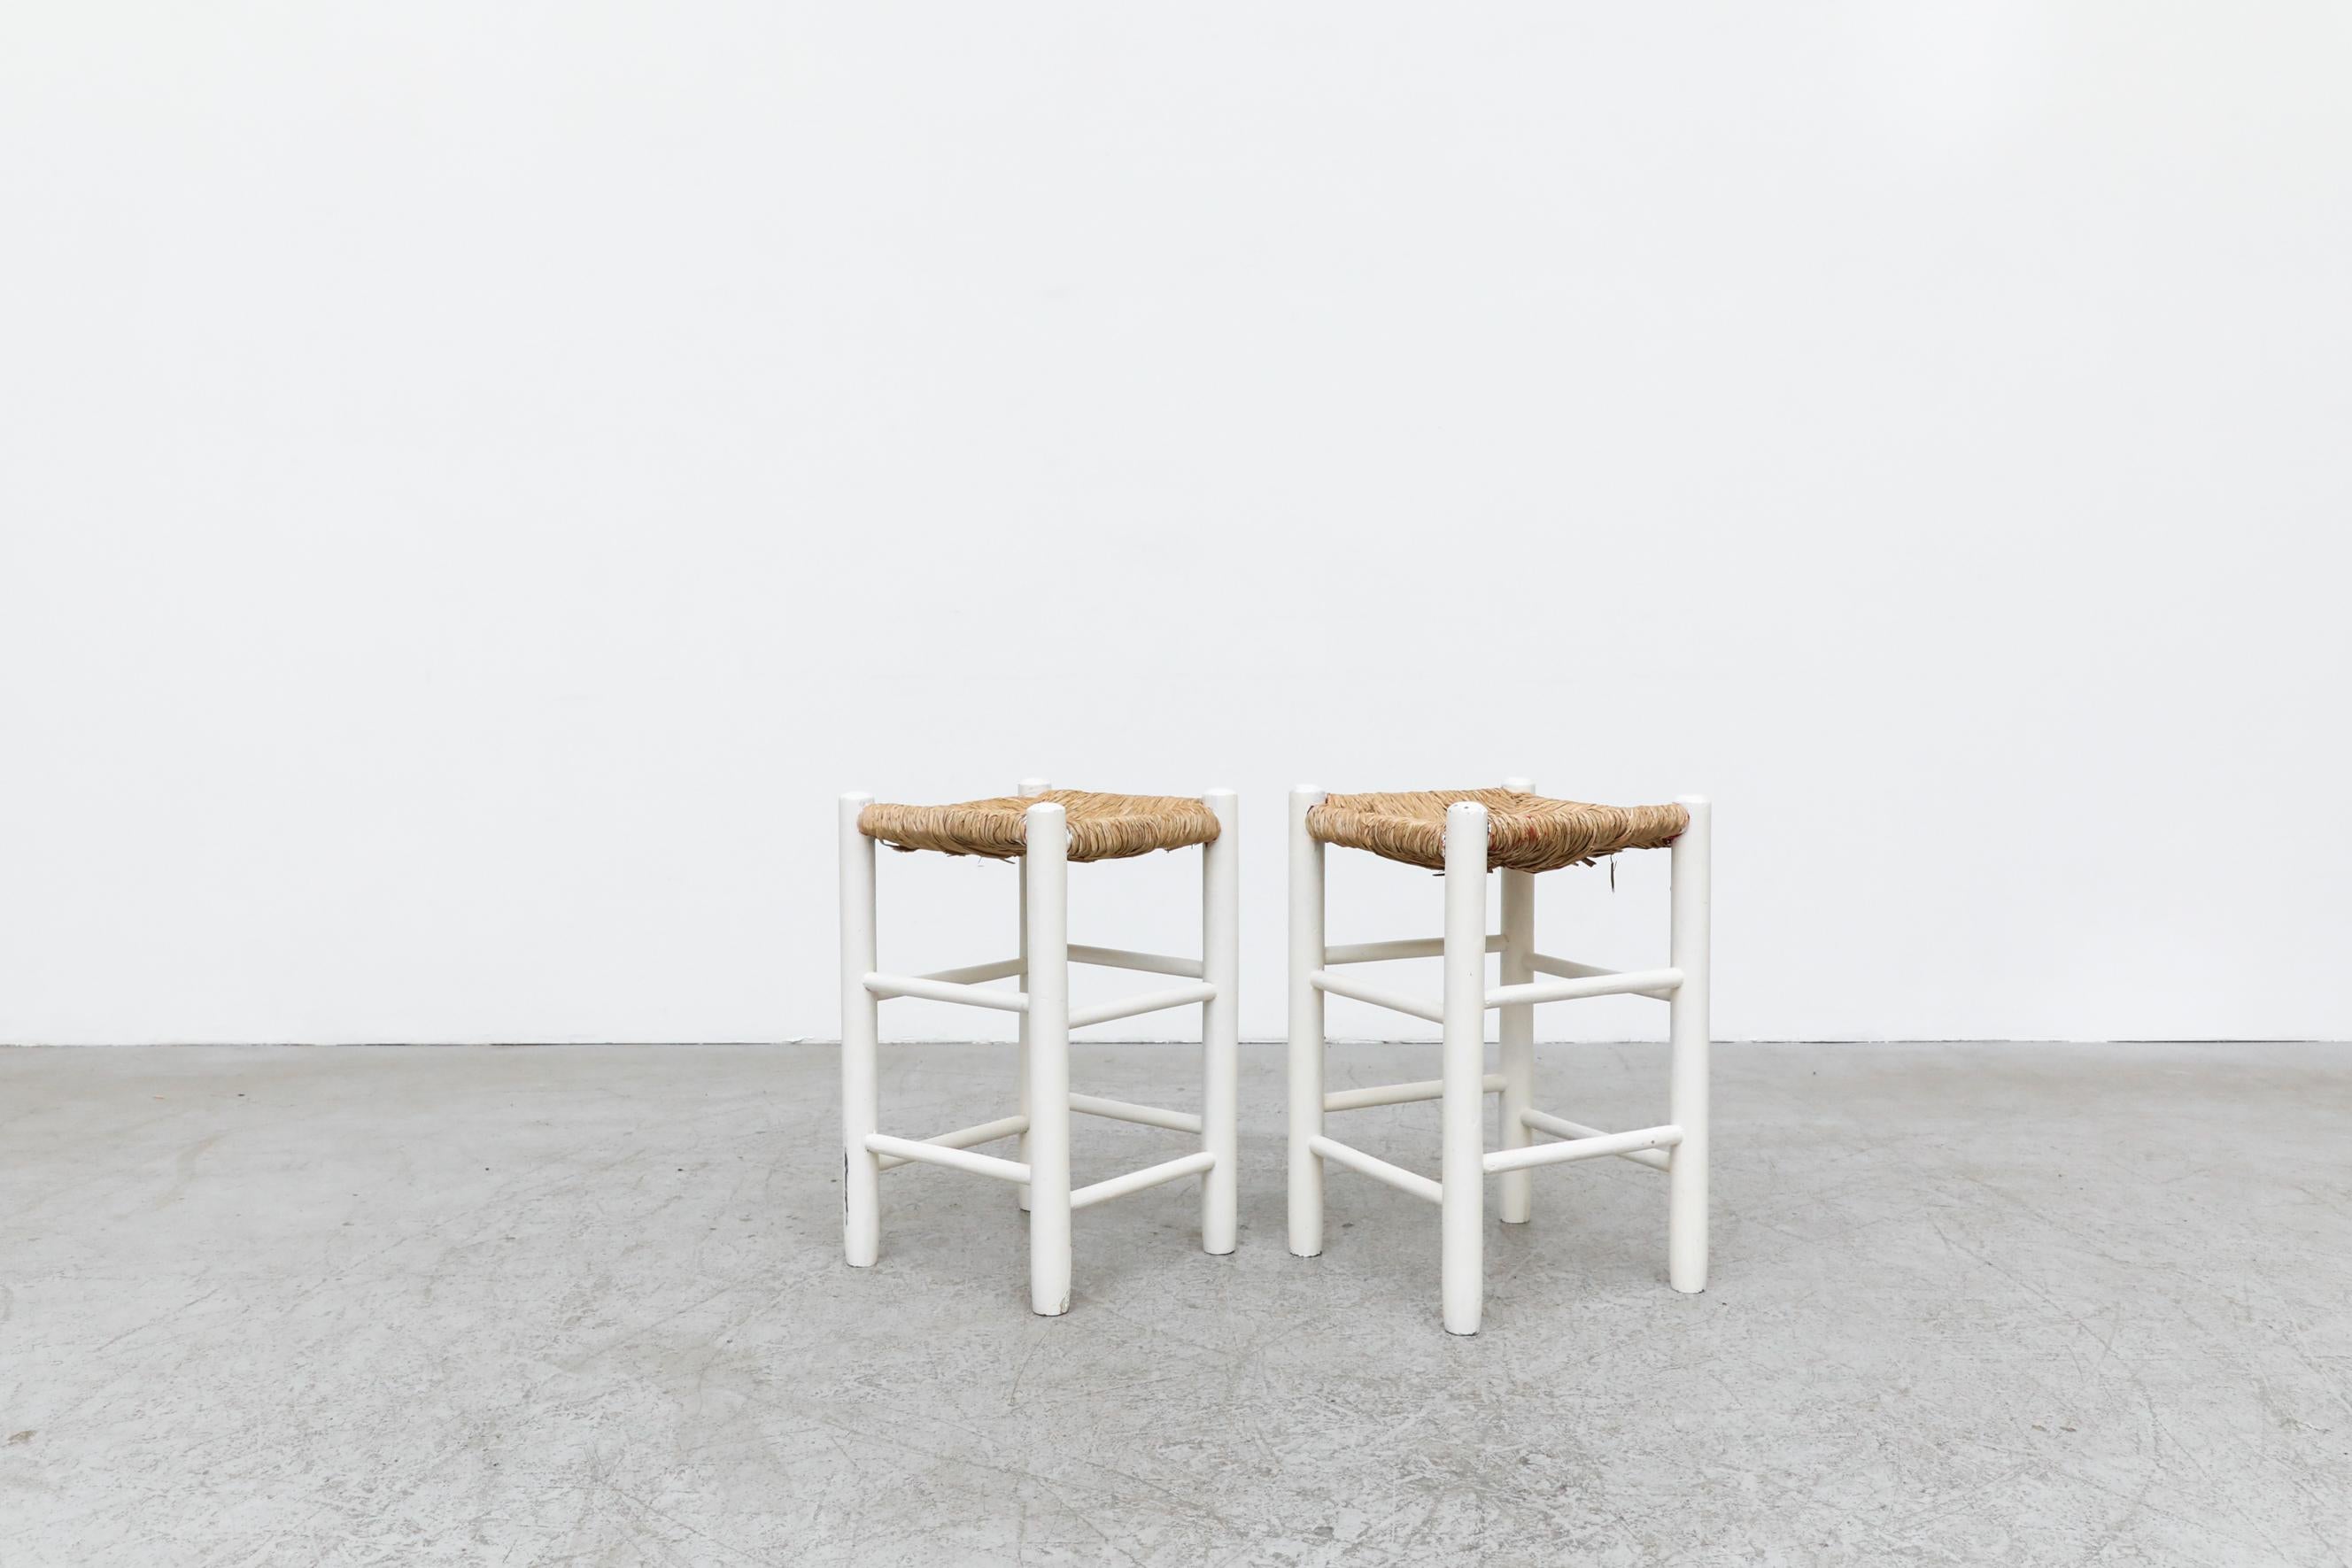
(1045, 829)
(1465, 833)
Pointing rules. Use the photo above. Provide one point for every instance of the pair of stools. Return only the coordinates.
(1462, 833)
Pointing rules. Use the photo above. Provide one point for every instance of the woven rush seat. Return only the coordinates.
(1524, 833)
(1102, 827)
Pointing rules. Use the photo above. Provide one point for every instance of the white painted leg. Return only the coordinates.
(1462, 1216)
(1686, 1170)
(1306, 1027)
(1221, 965)
(1029, 788)
(1045, 867)
(1514, 1190)
(861, 1091)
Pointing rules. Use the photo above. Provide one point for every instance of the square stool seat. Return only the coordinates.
(1524, 833)
(1101, 827)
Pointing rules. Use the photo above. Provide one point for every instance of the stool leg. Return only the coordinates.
(1687, 1167)
(1306, 1027)
(1514, 1190)
(1220, 964)
(861, 1092)
(1462, 1216)
(1045, 866)
(1029, 787)
(1515, 1193)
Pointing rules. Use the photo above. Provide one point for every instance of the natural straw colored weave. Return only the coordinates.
(1102, 827)
(1524, 833)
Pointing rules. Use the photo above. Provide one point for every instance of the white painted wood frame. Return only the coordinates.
(1677, 1147)
(1040, 1168)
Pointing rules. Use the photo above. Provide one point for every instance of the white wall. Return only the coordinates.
(472, 477)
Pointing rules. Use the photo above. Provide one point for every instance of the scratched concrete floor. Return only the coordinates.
(2022, 1304)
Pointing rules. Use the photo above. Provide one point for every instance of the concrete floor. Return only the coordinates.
(1973, 1304)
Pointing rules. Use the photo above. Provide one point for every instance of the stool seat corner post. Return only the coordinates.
(1686, 1173)
(1307, 1045)
(1461, 1263)
(1044, 868)
(1030, 789)
(861, 1095)
(1221, 962)
(1516, 1028)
